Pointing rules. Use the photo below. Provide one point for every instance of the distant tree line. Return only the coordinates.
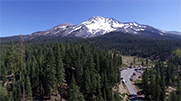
(154, 46)
(135, 45)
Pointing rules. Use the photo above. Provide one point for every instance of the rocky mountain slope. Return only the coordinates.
(97, 26)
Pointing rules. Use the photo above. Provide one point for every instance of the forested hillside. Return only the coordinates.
(75, 72)
(153, 47)
(84, 69)
(135, 45)
(157, 80)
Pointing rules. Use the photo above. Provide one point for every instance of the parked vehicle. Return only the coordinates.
(139, 93)
(134, 73)
(131, 79)
(124, 81)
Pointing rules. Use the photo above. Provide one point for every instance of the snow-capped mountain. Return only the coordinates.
(97, 26)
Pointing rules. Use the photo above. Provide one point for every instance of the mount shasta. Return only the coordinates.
(97, 26)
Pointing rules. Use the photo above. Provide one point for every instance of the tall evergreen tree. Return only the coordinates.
(50, 71)
(99, 97)
(15, 91)
(10, 58)
(173, 96)
(3, 93)
(28, 88)
(19, 91)
(179, 87)
(74, 92)
(21, 69)
(152, 84)
(59, 65)
(168, 75)
(145, 84)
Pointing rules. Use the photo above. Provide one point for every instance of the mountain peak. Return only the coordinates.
(64, 24)
(98, 25)
(96, 17)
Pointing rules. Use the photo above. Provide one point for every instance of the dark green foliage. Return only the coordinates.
(74, 92)
(28, 88)
(45, 69)
(160, 77)
(99, 97)
(19, 91)
(146, 61)
(152, 87)
(10, 58)
(145, 84)
(178, 52)
(3, 93)
(117, 97)
(173, 96)
(50, 73)
(15, 93)
(134, 45)
(3, 72)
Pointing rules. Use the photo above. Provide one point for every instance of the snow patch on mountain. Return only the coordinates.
(97, 24)
(135, 24)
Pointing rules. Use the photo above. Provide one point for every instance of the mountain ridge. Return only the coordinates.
(97, 26)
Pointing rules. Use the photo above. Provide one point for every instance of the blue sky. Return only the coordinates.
(28, 16)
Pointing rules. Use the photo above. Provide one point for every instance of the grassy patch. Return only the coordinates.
(123, 85)
(138, 85)
(127, 60)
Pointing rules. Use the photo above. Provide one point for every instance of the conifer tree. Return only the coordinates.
(3, 72)
(105, 95)
(145, 84)
(97, 63)
(87, 81)
(157, 92)
(19, 92)
(62, 50)
(28, 88)
(179, 86)
(173, 96)
(117, 97)
(34, 70)
(74, 92)
(113, 97)
(146, 61)
(41, 77)
(58, 64)
(10, 58)
(21, 60)
(50, 71)
(99, 97)
(152, 84)
(162, 95)
(142, 63)
(15, 93)
(21, 69)
(92, 73)
(168, 75)
(3, 93)
(134, 60)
